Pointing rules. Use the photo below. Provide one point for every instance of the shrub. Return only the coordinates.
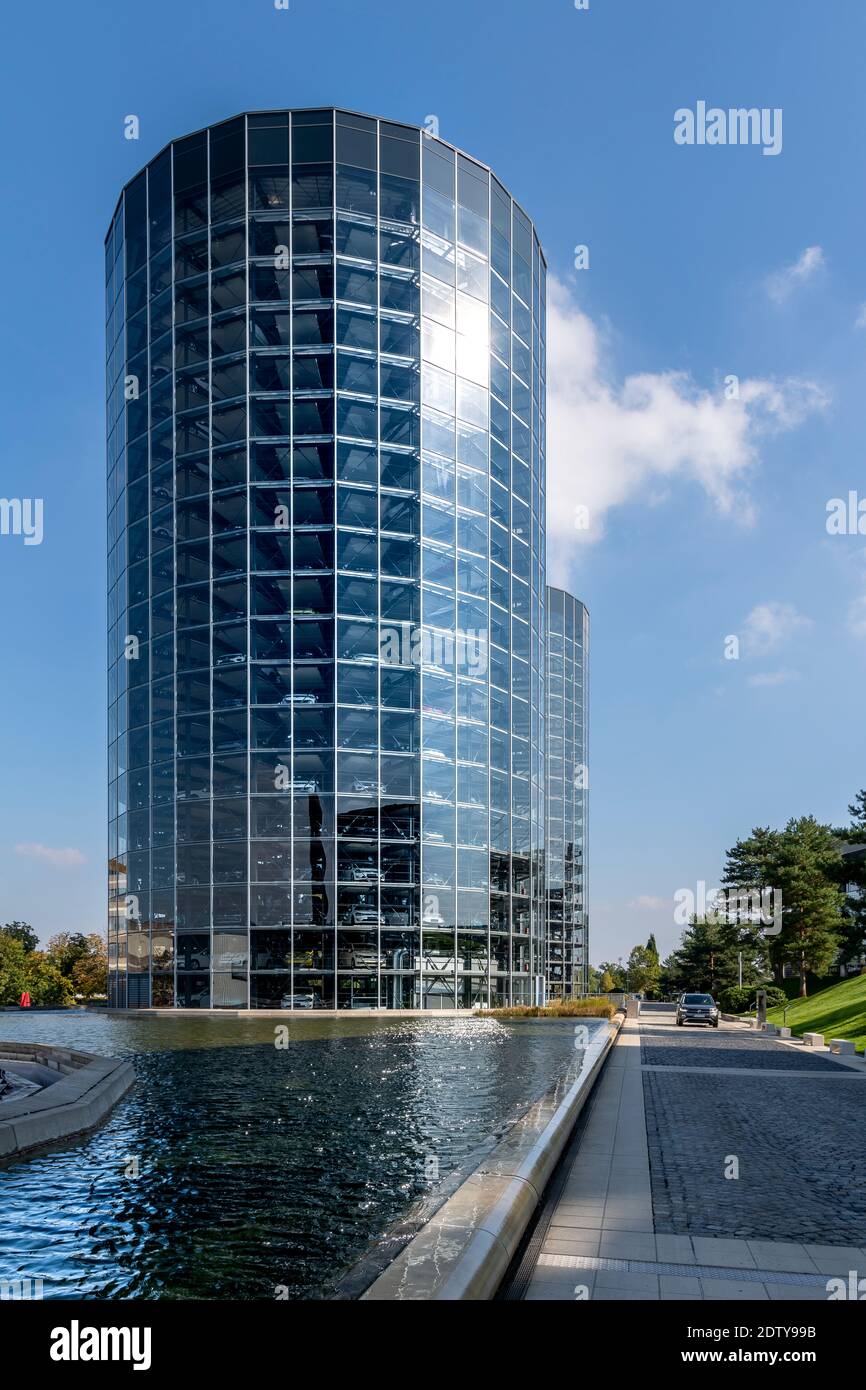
(736, 999)
(568, 1008)
(775, 996)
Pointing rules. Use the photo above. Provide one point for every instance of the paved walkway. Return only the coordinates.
(646, 1211)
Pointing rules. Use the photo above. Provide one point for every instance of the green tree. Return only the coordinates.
(606, 983)
(752, 862)
(615, 971)
(66, 949)
(857, 812)
(653, 950)
(852, 934)
(751, 872)
(30, 971)
(48, 987)
(89, 976)
(13, 969)
(706, 959)
(23, 932)
(808, 874)
(802, 868)
(642, 971)
(670, 976)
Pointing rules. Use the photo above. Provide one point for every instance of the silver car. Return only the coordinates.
(697, 1008)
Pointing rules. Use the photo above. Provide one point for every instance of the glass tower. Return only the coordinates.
(567, 791)
(326, 498)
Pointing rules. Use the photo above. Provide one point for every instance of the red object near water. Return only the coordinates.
(25, 1000)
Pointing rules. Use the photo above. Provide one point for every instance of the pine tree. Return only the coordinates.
(813, 903)
(853, 873)
(857, 812)
(751, 868)
(698, 964)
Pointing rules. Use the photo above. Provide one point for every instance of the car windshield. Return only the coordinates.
(697, 999)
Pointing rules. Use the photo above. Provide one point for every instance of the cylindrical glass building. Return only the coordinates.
(326, 495)
(567, 794)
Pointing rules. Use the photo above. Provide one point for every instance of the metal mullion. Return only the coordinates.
(125, 696)
(456, 821)
(174, 586)
(111, 790)
(546, 657)
(379, 713)
(487, 634)
(510, 603)
(149, 589)
(210, 540)
(247, 300)
(336, 977)
(291, 489)
(421, 506)
(584, 877)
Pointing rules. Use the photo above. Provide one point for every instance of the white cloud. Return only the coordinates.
(57, 858)
(860, 321)
(645, 902)
(782, 283)
(770, 625)
(611, 443)
(769, 678)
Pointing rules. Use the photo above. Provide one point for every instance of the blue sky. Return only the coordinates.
(707, 519)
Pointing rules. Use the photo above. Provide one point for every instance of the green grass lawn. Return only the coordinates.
(837, 1012)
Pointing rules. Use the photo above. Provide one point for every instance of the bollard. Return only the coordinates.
(813, 1039)
(843, 1047)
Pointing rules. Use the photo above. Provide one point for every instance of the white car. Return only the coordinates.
(308, 1000)
(362, 916)
(367, 787)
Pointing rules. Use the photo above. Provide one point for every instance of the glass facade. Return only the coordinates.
(567, 792)
(326, 500)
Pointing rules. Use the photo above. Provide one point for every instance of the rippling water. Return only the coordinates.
(259, 1167)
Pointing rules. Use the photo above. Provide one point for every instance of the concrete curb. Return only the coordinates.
(85, 1091)
(464, 1251)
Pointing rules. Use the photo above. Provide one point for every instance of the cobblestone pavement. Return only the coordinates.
(799, 1140)
(715, 1047)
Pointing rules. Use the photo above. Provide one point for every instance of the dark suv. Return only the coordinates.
(697, 1008)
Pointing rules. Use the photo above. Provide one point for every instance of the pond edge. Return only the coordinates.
(463, 1252)
(87, 1088)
